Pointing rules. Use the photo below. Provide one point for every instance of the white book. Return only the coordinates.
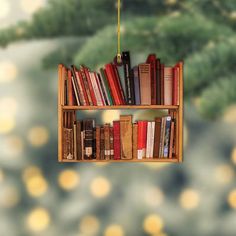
(100, 89)
(149, 127)
(95, 89)
(152, 139)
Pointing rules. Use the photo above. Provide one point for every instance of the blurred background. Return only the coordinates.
(39, 196)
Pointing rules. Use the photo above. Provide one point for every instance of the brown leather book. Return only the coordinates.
(157, 137)
(168, 83)
(102, 144)
(111, 143)
(98, 142)
(107, 141)
(135, 141)
(145, 83)
(126, 136)
(68, 152)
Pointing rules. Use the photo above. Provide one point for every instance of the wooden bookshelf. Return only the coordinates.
(74, 109)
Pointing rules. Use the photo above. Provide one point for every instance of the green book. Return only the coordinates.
(107, 88)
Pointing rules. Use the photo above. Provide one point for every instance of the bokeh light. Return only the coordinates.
(30, 6)
(232, 199)
(8, 71)
(100, 187)
(189, 199)
(109, 115)
(230, 114)
(36, 186)
(114, 230)
(7, 123)
(38, 219)
(68, 179)
(4, 9)
(224, 174)
(8, 105)
(89, 225)
(9, 196)
(38, 136)
(153, 224)
(30, 172)
(153, 196)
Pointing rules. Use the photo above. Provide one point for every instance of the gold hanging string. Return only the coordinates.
(118, 33)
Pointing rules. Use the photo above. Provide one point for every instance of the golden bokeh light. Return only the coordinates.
(100, 187)
(7, 123)
(153, 224)
(230, 114)
(8, 71)
(153, 196)
(38, 136)
(189, 199)
(4, 9)
(233, 155)
(114, 230)
(8, 105)
(38, 219)
(36, 186)
(89, 225)
(68, 179)
(30, 6)
(109, 115)
(9, 197)
(232, 199)
(224, 174)
(14, 145)
(30, 172)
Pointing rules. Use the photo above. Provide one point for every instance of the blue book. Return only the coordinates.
(167, 136)
(136, 85)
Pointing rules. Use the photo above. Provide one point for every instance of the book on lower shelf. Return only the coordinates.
(148, 83)
(85, 140)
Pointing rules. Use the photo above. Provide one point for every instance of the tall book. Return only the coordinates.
(86, 85)
(135, 141)
(68, 144)
(129, 83)
(96, 90)
(102, 93)
(72, 81)
(135, 71)
(116, 131)
(151, 59)
(162, 137)
(162, 84)
(158, 87)
(168, 81)
(98, 142)
(157, 137)
(78, 140)
(88, 139)
(70, 90)
(111, 143)
(142, 139)
(107, 150)
(175, 92)
(151, 150)
(172, 127)
(126, 136)
(148, 142)
(103, 90)
(145, 83)
(102, 144)
(167, 136)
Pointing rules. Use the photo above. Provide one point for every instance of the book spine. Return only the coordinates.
(82, 144)
(158, 88)
(149, 126)
(98, 144)
(65, 95)
(75, 86)
(68, 144)
(162, 84)
(75, 141)
(88, 141)
(80, 78)
(111, 144)
(126, 136)
(145, 83)
(107, 141)
(168, 80)
(176, 86)
(70, 90)
(161, 149)
(103, 89)
(135, 141)
(86, 85)
(167, 137)
(100, 89)
(95, 89)
(128, 78)
(116, 130)
(136, 85)
(157, 137)
(94, 141)
(106, 86)
(171, 138)
(78, 140)
(102, 144)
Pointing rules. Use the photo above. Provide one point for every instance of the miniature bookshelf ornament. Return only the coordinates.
(149, 85)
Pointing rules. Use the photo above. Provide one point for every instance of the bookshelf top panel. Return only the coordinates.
(163, 107)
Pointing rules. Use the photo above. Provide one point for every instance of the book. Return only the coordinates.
(116, 131)
(86, 85)
(162, 84)
(135, 141)
(157, 137)
(135, 71)
(151, 59)
(158, 87)
(145, 83)
(88, 139)
(175, 91)
(83, 88)
(107, 150)
(111, 143)
(171, 138)
(148, 142)
(70, 90)
(129, 83)
(142, 139)
(74, 141)
(103, 90)
(98, 142)
(168, 80)
(102, 94)
(167, 136)
(102, 144)
(97, 94)
(151, 150)
(68, 144)
(126, 136)
(82, 143)
(78, 140)
(162, 137)
(72, 81)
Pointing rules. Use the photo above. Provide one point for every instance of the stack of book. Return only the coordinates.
(149, 83)
(144, 139)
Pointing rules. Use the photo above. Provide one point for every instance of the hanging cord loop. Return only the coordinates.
(119, 59)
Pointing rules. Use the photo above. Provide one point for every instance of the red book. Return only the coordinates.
(70, 89)
(113, 84)
(121, 91)
(116, 132)
(86, 70)
(176, 86)
(153, 62)
(83, 87)
(142, 139)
